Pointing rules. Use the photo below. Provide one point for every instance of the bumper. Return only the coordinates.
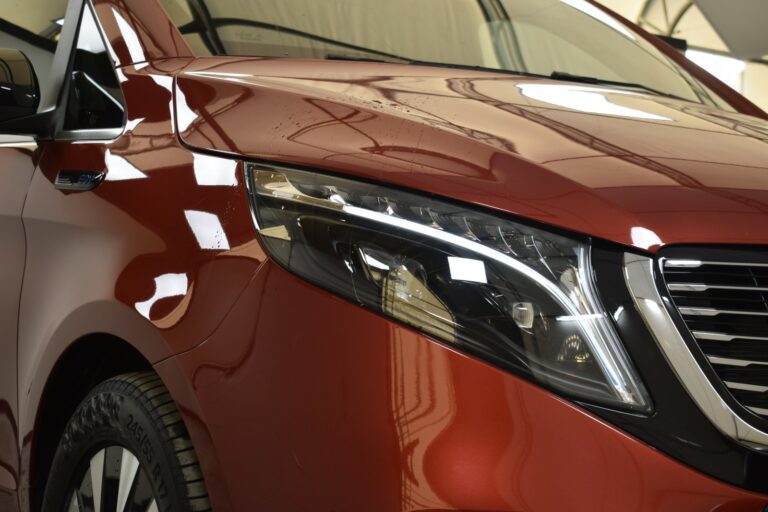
(302, 401)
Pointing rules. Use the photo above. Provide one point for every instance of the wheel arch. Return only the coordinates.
(95, 342)
(103, 356)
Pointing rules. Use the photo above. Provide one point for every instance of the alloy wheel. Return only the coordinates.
(114, 481)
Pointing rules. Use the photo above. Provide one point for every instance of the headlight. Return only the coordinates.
(518, 297)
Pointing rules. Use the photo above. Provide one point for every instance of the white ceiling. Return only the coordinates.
(740, 24)
(735, 27)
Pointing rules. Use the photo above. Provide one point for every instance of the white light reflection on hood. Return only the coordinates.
(591, 100)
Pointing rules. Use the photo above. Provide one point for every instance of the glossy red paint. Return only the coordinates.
(627, 167)
(345, 410)
(297, 400)
(142, 268)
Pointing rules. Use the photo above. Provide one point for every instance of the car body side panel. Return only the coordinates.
(314, 403)
(17, 164)
(155, 255)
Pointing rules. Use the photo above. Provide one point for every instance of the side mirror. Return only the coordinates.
(19, 89)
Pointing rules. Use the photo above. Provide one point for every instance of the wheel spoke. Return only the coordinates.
(129, 467)
(84, 494)
(142, 494)
(114, 481)
(113, 468)
(97, 478)
(74, 505)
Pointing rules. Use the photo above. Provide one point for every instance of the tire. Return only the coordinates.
(126, 445)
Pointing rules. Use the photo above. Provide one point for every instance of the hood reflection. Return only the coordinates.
(591, 100)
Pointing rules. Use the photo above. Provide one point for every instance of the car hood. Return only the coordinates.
(617, 164)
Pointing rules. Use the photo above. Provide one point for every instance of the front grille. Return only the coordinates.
(724, 303)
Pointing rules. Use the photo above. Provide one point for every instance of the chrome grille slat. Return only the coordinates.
(699, 263)
(717, 336)
(734, 362)
(762, 411)
(701, 287)
(688, 311)
(746, 387)
(725, 307)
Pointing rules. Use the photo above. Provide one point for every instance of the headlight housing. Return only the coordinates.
(518, 297)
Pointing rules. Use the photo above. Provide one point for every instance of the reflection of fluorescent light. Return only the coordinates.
(374, 263)
(585, 99)
(219, 74)
(727, 69)
(133, 123)
(185, 115)
(596, 13)
(167, 285)
(464, 269)
(578, 318)
(213, 171)
(644, 238)
(683, 263)
(120, 169)
(130, 38)
(208, 230)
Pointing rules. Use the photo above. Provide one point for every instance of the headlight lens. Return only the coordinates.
(516, 296)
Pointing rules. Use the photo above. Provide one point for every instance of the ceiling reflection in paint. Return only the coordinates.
(591, 100)
(212, 171)
(166, 286)
(208, 230)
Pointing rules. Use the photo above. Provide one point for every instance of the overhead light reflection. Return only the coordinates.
(214, 171)
(166, 286)
(467, 269)
(120, 169)
(131, 39)
(644, 238)
(591, 100)
(185, 115)
(133, 123)
(208, 230)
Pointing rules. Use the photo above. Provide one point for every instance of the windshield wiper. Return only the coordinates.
(556, 75)
(567, 77)
(356, 58)
(433, 64)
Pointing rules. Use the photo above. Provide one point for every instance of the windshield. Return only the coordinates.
(565, 39)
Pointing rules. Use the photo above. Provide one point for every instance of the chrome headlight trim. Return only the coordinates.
(639, 276)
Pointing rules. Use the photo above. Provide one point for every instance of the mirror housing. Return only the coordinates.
(19, 88)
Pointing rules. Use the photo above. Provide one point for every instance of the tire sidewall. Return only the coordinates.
(107, 418)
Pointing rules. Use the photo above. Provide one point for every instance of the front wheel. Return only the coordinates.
(126, 449)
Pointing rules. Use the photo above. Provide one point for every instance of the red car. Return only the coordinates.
(379, 256)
